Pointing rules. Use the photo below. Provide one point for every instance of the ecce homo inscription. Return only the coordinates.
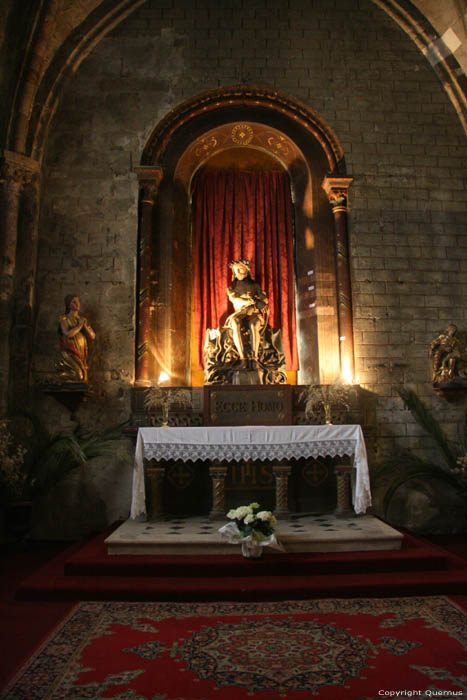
(247, 406)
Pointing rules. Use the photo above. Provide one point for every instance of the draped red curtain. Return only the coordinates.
(243, 215)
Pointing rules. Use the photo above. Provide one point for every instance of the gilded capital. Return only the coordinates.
(150, 177)
(337, 189)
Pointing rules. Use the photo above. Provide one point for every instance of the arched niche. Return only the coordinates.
(260, 129)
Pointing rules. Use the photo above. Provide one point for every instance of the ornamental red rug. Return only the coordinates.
(355, 649)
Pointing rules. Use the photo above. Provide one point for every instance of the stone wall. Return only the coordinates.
(404, 147)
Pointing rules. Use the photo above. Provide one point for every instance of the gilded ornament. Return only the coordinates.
(279, 145)
(205, 146)
(242, 134)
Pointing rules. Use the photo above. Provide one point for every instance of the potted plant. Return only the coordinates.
(325, 396)
(16, 482)
(252, 528)
(26, 473)
(157, 396)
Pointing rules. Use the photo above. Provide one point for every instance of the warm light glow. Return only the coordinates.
(163, 377)
(346, 375)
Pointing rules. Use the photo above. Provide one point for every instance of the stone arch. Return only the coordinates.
(309, 151)
(39, 90)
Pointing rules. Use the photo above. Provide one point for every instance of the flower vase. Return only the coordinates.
(252, 550)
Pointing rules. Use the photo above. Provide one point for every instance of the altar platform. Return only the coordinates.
(298, 533)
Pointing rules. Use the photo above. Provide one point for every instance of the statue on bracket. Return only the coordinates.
(246, 350)
(448, 357)
(74, 332)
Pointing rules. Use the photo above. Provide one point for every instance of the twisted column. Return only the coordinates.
(149, 180)
(155, 475)
(344, 499)
(281, 476)
(218, 475)
(336, 189)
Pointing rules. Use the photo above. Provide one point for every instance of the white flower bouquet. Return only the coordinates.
(252, 528)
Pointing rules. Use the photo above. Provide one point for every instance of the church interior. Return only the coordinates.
(233, 270)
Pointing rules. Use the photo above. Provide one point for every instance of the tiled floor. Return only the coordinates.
(300, 533)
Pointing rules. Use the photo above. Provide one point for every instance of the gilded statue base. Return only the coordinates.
(223, 364)
(247, 376)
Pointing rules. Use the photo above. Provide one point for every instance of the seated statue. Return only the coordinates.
(447, 356)
(73, 332)
(246, 341)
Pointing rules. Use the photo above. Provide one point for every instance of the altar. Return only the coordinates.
(221, 445)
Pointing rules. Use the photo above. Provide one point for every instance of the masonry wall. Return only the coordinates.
(403, 144)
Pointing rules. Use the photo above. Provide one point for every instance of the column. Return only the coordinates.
(16, 172)
(218, 475)
(22, 335)
(344, 497)
(155, 475)
(149, 180)
(336, 189)
(281, 476)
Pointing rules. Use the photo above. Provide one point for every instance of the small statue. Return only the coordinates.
(446, 354)
(251, 309)
(74, 332)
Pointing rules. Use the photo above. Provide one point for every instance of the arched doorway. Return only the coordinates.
(263, 129)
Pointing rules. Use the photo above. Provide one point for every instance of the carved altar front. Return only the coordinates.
(277, 445)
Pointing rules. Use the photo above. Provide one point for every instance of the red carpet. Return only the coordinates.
(352, 649)
(88, 573)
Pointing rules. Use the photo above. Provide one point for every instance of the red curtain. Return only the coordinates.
(243, 215)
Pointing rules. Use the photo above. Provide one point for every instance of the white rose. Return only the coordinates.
(264, 515)
(249, 518)
(232, 514)
(243, 511)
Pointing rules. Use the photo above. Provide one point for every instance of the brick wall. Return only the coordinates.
(403, 143)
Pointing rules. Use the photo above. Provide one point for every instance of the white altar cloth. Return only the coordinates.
(225, 443)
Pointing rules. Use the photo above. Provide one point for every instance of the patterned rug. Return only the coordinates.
(357, 649)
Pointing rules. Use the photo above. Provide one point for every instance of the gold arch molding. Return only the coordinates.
(249, 100)
(246, 134)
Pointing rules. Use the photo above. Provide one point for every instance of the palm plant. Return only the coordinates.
(406, 466)
(65, 452)
(52, 457)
